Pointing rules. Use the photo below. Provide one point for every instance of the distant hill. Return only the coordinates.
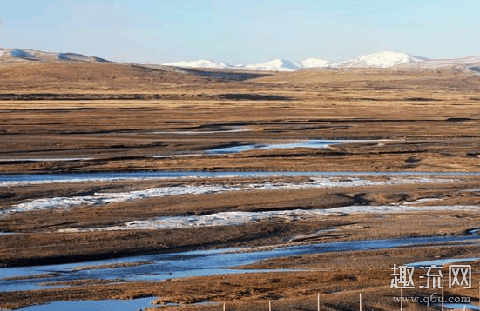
(27, 56)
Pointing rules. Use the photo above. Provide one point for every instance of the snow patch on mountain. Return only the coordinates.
(27, 56)
(276, 64)
(461, 63)
(382, 59)
(74, 57)
(203, 63)
(314, 62)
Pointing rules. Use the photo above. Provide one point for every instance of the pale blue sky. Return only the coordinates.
(242, 31)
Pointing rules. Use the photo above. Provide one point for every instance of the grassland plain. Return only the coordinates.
(93, 118)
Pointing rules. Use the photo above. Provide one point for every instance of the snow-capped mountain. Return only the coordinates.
(382, 59)
(203, 63)
(314, 62)
(26, 56)
(448, 62)
(276, 64)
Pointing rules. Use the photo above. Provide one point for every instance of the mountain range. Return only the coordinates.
(382, 59)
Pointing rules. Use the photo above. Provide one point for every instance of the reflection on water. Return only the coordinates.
(11, 160)
(460, 306)
(117, 305)
(440, 262)
(9, 180)
(198, 263)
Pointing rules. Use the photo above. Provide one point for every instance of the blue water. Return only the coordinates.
(460, 306)
(103, 305)
(440, 262)
(199, 263)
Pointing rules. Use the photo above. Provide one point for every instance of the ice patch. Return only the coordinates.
(240, 218)
(236, 130)
(76, 178)
(424, 200)
(470, 190)
(8, 233)
(473, 231)
(440, 262)
(105, 198)
(15, 180)
(309, 144)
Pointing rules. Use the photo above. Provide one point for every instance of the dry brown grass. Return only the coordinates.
(54, 110)
(42, 244)
(111, 111)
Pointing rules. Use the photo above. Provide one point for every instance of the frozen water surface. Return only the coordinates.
(44, 159)
(233, 130)
(310, 144)
(460, 306)
(100, 305)
(198, 263)
(440, 262)
(240, 218)
(105, 198)
(13, 180)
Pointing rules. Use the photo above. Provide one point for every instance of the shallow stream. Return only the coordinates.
(194, 263)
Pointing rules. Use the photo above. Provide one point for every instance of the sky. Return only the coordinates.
(247, 31)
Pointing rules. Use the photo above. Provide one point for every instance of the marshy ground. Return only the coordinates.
(100, 118)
